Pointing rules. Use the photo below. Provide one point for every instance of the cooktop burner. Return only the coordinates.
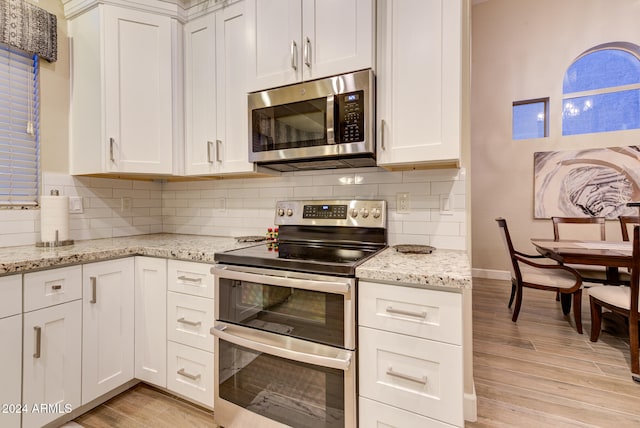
(325, 237)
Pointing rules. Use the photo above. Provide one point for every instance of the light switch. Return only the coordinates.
(75, 205)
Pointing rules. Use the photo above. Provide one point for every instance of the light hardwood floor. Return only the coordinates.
(533, 373)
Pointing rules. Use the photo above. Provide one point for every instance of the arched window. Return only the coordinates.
(601, 90)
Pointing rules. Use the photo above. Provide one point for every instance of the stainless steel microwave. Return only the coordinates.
(320, 124)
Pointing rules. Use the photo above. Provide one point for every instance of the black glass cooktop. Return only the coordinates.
(301, 257)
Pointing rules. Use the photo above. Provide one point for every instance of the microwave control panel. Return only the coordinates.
(351, 117)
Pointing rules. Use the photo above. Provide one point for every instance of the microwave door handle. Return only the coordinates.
(330, 120)
(280, 346)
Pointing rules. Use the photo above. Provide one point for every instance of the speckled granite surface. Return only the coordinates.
(185, 247)
(442, 268)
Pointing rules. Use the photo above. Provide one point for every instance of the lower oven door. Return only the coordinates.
(265, 379)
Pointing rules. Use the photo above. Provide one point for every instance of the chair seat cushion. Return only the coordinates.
(615, 295)
(557, 278)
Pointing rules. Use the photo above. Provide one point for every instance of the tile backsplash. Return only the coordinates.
(235, 207)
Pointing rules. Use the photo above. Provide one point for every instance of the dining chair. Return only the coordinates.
(585, 228)
(625, 222)
(621, 300)
(536, 271)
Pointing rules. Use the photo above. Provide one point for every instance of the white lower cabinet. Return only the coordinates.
(410, 357)
(52, 335)
(151, 320)
(108, 326)
(10, 355)
(190, 372)
(190, 316)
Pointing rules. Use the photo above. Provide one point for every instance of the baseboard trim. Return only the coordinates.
(470, 405)
(491, 274)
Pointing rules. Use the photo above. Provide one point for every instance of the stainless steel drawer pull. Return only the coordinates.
(382, 134)
(56, 287)
(189, 322)
(391, 310)
(94, 284)
(218, 150)
(111, 143)
(209, 151)
(187, 279)
(422, 380)
(38, 331)
(294, 55)
(307, 52)
(181, 372)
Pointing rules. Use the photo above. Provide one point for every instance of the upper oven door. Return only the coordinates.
(317, 308)
(325, 117)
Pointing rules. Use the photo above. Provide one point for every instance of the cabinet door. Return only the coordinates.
(51, 362)
(108, 320)
(151, 320)
(337, 37)
(275, 48)
(138, 91)
(232, 145)
(10, 369)
(419, 81)
(200, 95)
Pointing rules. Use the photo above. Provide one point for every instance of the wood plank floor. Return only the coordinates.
(536, 372)
(541, 372)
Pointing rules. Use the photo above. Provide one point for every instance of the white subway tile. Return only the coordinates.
(447, 187)
(449, 242)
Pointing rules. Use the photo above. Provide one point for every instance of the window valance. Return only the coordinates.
(29, 27)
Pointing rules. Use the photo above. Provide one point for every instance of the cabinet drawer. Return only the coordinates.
(416, 312)
(190, 278)
(418, 375)
(189, 319)
(374, 414)
(10, 295)
(190, 373)
(52, 287)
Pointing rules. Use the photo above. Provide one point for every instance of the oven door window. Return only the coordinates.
(290, 392)
(304, 314)
(290, 126)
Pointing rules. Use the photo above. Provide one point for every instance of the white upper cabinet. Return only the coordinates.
(122, 118)
(419, 81)
(216, 94)
(298, 40)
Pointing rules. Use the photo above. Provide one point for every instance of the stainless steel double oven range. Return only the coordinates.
(285, 331)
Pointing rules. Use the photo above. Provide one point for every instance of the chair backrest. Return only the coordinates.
(585, 228)
(506, 239)
(635, 274)
(625, 222)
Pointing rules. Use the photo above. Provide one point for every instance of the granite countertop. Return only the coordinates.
(441, 268)
(172, 246)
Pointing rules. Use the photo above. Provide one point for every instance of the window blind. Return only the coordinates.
(19, 120)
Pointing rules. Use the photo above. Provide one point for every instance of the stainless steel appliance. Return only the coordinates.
(321, 124)
(285, 331)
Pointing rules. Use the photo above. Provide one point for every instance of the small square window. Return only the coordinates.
(530, 119)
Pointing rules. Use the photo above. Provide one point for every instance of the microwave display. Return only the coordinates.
(351, 117)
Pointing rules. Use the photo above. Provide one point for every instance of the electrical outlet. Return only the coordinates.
(125, 204)
(402, 203)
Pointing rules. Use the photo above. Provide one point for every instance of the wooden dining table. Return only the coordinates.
(610, 254)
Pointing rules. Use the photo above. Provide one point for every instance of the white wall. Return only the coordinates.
(238, 207)
(521, 50)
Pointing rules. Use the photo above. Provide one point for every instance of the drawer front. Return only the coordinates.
(418, 375)
(52, 287)
(374, 414)
(190, 373)
(10, 295)
(190, 278)
(428, 314)
(189, 319)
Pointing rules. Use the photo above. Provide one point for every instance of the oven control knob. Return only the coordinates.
(375, 212)
(364, 212)
(289, 212)
(354, 213)
(280, 212)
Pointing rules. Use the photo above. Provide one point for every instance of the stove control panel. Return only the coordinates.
(356, 213)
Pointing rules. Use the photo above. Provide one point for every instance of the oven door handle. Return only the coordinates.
(284, 346)
(307, 284)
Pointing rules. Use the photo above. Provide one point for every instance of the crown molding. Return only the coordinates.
(172, 8)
